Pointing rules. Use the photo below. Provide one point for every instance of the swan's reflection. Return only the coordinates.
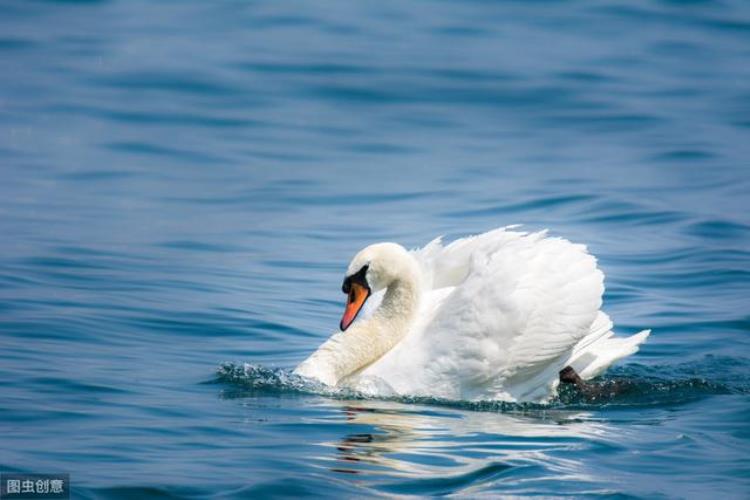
(395, 439)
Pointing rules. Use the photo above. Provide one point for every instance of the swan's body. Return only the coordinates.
(493, 316)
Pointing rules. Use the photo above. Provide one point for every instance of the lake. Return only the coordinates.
(182, 185)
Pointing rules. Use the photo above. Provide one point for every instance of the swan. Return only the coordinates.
(493, 316)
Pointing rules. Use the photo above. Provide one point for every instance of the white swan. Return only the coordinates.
(494, 316)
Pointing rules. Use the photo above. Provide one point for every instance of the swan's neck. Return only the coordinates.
(364, 342)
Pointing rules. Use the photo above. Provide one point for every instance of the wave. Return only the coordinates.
(633, 385)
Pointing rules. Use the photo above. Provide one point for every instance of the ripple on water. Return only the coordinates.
(631, 386)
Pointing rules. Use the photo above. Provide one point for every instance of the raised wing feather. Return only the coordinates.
(517, 302)
(445, 266)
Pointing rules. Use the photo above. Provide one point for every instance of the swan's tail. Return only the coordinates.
(599, 349)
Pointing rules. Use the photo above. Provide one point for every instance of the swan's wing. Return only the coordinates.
(525, 300)
(449, 266)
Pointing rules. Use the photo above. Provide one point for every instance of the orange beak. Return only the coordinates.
(357, 296)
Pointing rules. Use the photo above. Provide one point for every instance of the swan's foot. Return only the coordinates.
(592, 391)
(569, 376)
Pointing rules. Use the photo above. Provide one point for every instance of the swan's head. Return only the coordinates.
(372, 269)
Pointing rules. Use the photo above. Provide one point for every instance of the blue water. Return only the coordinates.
(183, 184)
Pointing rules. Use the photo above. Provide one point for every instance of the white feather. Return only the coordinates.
(499, 315)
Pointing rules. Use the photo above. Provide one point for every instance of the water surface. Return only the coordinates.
(183, 184)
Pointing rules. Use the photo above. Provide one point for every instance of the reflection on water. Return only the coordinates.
(440, 447)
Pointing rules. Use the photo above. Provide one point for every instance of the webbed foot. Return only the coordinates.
(569, 376)
(592, 391)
